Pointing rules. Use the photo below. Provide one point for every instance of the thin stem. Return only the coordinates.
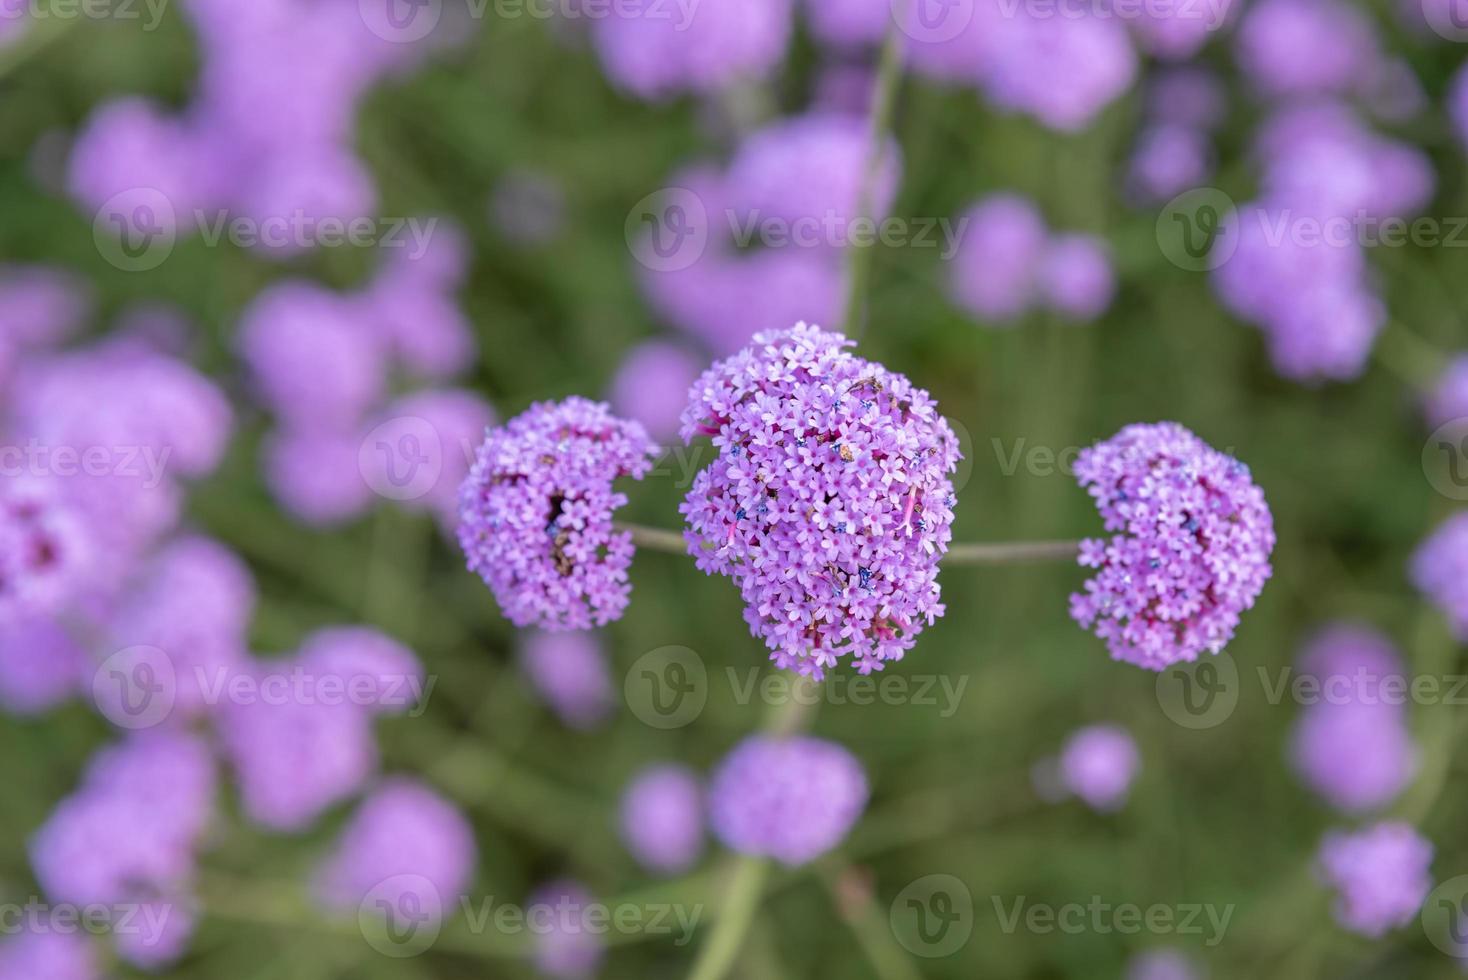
(997, 553)
(859, 257)
(741, 899)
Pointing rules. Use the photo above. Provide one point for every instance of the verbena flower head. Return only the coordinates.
(652, 386)
(1075, 276)
(1448, 400)
(535, 513)
(1003, 238)
(403, 840)
(41, 664)
(662, 818)
(1175, 33)
(1020, 76)
(1191, 549)
(829, 503)
(567, 945)
(314, 474)
(569, 671)
(46, 954)
(655, 51)
(1353, 746)
(1440, 570)
(848, 23)
(1098, 765)
(792, 799)
(1169, 158)
(1381, 876)
(1305, 47)
(458, 418)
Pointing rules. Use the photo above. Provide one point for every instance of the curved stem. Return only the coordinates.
(996, 553)
(741, 899)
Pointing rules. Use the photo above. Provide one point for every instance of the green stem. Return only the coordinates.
(858, 257)
(741, 899)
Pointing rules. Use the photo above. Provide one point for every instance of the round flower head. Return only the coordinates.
(458, 418)
(662, 819)
(1097, 52)
(1448, 401)
(655, 51)
(1075, 277)
(535, 513)
(1098, 765)
(46, 954)
(1381, 876)
(1191, 549)
(1305, 47)
(829, 503)
(567, 946)
(1002, 240)
(792, 799)
(1169, 159)
(1176, 32)
(41, 664)
(1440, 570)
(39, 306)
(652, 386)
(403, 837)
(848, 23)
(569, 672)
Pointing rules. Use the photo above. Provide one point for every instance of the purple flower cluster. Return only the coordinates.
(1191, 547)
(662, 818)
(792, 799)
(322, 363)
(304, 742)
(569, 672)
(829, 503)
(535, 513)
(1098, 765)
(1174, 150)
(566, 946)
(130, 834)
(32, 954)
(1163, 963)
(1010, 52)
(1381, 876)
(1447, 403)
(655, 50)
(793, 187)
(652, 385)
(1354, 747)
(1008, 261)
(1440, 570)
(404, 840)
(1305, 47)
(268, 139)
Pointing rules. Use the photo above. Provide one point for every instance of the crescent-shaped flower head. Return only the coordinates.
(830, 501)
(535, 513)
(1190, 551)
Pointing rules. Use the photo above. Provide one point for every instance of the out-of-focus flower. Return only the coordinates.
(39, 306)
(1191, 548)
(849, 23)
(412, 307)
(1448, 400)
(655, 51)
(567, 946)
(1305, 47)
(792, 799)
(404, 839)
(1176, 32)
(1354, 747)
(315, 475)
(652, 386)
(1440, 570)
(459, 418)
(536, 513)
(830, 500)
(1163, 963)
(1457, 103)
(662, 818)
(1097, 52)
(1169, 158)
(1380, 875)
(1187, 95)
(1075, 276)
(41, 665)
(130, 833)
(131, 146)
(1098, 765)
(570, 672)
(1002, 241)
(33, 954)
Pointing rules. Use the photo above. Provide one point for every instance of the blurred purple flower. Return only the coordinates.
(1003, 239)
(652, 386)
(829, 503)
(1075, 276)
(1169, 159)
(459, 418)
(569, 671)
(40, 664)
(1098, 765)
(315, 475)
(566, 945)
(1448, 400)
(1163, 963)
(792, 799)
(1439, 569)
(47, 954)
(849, 23)
(1305, 47)
(1187, 96)
(536, 513)
(1380, 875)
(1190, 552)
(662, 818)
(1175, 32)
